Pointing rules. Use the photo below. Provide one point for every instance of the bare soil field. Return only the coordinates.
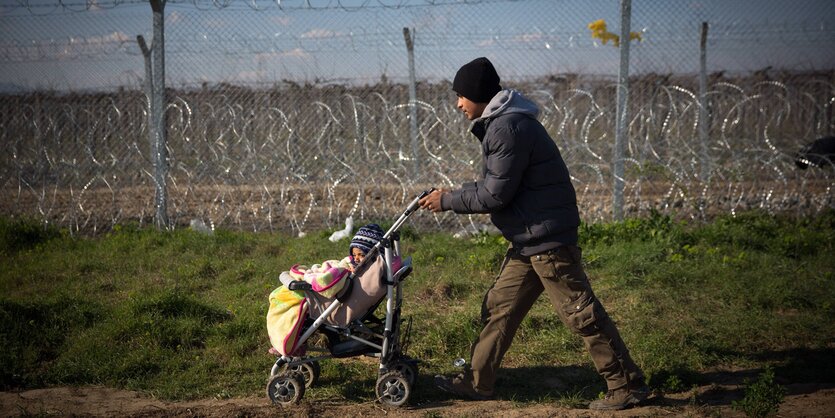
(802, 400)
(295, 208)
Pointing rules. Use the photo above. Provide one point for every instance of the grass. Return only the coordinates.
(180, 315)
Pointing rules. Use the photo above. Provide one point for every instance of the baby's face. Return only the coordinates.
(357, 254)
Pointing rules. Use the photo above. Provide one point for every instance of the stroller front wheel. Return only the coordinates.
(393, 389)
(286, 388)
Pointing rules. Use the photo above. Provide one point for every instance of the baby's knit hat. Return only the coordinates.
(366, 237)
(477, 80)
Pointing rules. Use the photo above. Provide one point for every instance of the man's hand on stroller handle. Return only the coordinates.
(432, 201)
(414, 204)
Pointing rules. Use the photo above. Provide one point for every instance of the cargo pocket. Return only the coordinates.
(543, 265)
(564, 280)
(581, 315)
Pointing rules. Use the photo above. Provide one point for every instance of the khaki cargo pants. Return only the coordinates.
(560, 274)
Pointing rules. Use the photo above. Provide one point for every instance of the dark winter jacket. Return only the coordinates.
(818, 153)
(525, 186)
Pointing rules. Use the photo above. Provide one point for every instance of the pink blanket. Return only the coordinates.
(289, 308)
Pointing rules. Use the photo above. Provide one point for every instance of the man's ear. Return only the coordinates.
(483, 107)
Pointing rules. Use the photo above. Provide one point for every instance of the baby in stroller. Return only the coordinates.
(288, 307)
(338, 299)
(363, 242)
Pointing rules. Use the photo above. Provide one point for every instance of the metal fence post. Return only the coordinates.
(154, 86)
(413, 125)
(703, 114)
(621, 122)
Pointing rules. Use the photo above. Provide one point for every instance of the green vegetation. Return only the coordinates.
(762, 397)
(180, 315)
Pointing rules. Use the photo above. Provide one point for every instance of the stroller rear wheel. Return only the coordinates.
(393, 389)
(286, 388)
(310, 371)
(406, 367)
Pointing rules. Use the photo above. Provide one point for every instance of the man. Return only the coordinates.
(526, 189)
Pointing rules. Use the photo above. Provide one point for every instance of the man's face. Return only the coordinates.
(471, 109)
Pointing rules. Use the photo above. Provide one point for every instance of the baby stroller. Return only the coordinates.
(350, 327)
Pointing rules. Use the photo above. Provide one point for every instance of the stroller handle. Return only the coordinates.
(394, 228)
(413, 206)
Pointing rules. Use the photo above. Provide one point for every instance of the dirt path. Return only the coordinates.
(803, 400)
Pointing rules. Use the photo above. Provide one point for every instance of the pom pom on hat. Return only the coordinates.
(477, 80)
(366, 237)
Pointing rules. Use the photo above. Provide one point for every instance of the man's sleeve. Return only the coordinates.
(506, 160)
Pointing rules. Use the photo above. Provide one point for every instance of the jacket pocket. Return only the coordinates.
(518, 212)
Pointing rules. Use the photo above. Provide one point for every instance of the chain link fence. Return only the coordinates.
(292, 116)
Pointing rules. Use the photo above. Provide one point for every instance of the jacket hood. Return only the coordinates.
(509, 101)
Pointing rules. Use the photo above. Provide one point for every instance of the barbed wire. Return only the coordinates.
(119, 43)
(295, 165)
(42, 8)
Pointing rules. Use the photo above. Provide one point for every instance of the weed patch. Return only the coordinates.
(32, 334)
(21, 234)
(762, 396)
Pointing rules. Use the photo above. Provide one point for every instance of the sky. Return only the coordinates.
(91, 44)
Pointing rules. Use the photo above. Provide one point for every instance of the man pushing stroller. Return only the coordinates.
(526, 188)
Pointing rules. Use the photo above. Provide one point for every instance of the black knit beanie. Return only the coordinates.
(366, 238)
(477, 80)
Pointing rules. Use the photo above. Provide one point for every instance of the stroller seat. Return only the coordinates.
(358, 298)
(361, 295)
(356, 316)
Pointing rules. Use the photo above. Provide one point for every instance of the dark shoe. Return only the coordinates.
(618, 399)
(460, 387)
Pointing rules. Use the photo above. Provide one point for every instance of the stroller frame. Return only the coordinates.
(290, 375)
